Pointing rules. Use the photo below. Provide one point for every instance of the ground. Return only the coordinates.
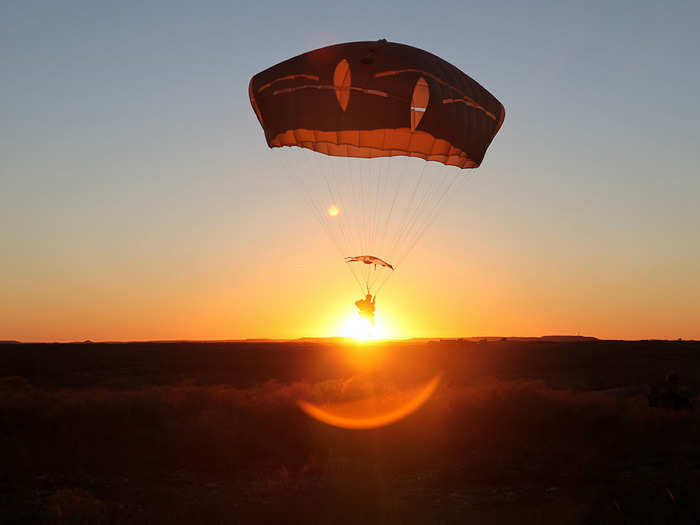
(517, 432)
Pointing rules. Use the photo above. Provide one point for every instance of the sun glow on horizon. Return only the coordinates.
(361, 329)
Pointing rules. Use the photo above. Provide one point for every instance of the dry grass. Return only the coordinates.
(496, 450)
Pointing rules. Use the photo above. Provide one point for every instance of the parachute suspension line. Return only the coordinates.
(377, 240)
(362, 210)
(381, 188)
(367, 183)
(362, 179)
(404, 221)
(369, 177)
(390, 183)
(433, 211)
(320, 214)
(351, 211)
(375, 170)
(379, 192)
(353, 214)
(335, 201)
(382, 200)
(391, 210)
(432, 216)
(373, 175)
(426, 200)
(348, 213)
(366, 176)
(413, 222)
(379, 278)
(382, 165)
(378, 210)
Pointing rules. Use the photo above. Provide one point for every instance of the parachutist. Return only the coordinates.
(366, 307)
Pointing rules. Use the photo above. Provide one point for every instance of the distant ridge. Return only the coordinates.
(546, 338)
(567, 338)
(336, 339)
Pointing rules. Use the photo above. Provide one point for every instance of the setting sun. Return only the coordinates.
(333, 211)
(361, 329)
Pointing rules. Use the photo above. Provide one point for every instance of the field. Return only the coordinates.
(532, 432)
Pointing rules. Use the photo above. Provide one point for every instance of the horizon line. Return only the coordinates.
(345, 339)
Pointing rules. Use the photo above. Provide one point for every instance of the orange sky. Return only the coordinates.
(232, 265)
(476, 288)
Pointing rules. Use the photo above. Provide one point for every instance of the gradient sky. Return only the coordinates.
(138, 199)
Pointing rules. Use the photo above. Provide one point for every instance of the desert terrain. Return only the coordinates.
(518, 431)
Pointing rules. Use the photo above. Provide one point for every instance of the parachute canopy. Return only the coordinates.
(369, 259)
(376, 99)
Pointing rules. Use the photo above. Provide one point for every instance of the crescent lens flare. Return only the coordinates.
(371, 413)
(333, 211)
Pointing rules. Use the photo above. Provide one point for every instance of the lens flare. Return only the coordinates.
(373, 412)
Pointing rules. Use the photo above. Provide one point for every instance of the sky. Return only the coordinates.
(139, 200)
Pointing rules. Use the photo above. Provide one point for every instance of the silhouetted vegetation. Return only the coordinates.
(517, 432)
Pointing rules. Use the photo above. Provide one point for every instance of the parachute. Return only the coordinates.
(369, 259)
(377, 134)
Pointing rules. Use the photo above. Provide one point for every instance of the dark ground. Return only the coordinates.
(517, 432)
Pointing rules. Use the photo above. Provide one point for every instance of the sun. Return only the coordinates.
(361, 329)
(333, 211)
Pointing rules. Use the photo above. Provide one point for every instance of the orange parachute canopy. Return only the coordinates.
(376, 99)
